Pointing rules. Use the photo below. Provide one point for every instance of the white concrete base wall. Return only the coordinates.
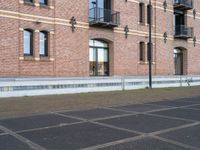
(17, 87)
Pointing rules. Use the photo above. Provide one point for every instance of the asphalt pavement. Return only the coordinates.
(161, 125)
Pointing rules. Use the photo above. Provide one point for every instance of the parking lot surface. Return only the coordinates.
(162, 125)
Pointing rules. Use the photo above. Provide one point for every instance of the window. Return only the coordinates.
(98, 58)
(28, 1)
(43, 43)
(43, 2)
(142, 51)
(141, 12)
(28, 42)
(149, 14)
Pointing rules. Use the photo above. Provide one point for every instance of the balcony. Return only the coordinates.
(183, 32)
(104, 17)
(183, 4)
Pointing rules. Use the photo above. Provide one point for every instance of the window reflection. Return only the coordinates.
(28, 42)
(43, 43)
(99, 58)
(43, 2)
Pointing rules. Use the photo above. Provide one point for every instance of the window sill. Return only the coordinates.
(28, 57)
(142, 23)
(142, 63)
(45, 58)
(145, 63)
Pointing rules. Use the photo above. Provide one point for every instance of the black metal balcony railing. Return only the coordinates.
(103, 17)
(182, 31)
(183, 4)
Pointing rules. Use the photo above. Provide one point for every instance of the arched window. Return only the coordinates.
(142, 51)
(43, 43)
(98, 58)
(28, 42)
(141, 13)
(178, 61)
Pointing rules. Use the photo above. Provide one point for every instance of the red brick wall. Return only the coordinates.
(69, 51)
(9, 47)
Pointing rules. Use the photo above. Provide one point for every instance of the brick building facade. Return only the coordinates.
(98, 37)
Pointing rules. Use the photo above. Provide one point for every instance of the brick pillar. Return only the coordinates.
(36, 45)
(52, 50)
(21, 44)
(36, 2)
(51, 45)
(185, 62)
(111, 59)
(21, 48)
(51, 4)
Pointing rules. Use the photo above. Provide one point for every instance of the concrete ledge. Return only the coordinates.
(16, 87)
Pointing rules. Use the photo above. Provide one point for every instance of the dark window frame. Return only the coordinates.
(46, 43)
(149, 11)
(95, 73)
(31, 42)
(142, 51)
(29, 1)
(43, 4)
(142, 13)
